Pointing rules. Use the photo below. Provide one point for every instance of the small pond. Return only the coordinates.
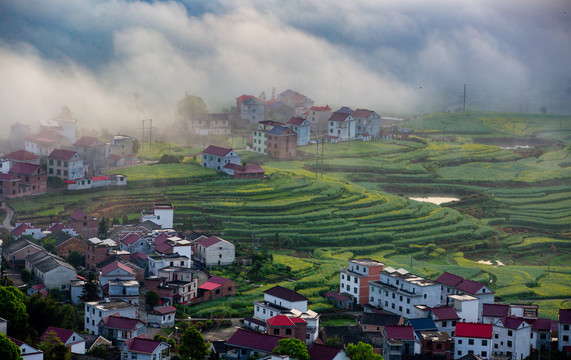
(435, 199)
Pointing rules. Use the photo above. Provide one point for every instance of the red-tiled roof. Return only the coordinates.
(233, 166)
(540, 324)
(38, 287)
(323, 352)
(296, 121)
(299, 97)
(61, 154)
(399, 332)
(495, 310)
(469, 286)
(25, 169)
(252, 168)
(87, 141)
(139, 255)
(141, 344)
(298, 320)
(160, 239)
(280, 320)
(218, 280)
(62, 334)
(113, 157)
(449, 279)
(511, 322)
(564, 316)
(254, 340)
(320, 108)
(20, 229)
(209, 241)
(99, 178)
(130, 239)
(16, 341)
(445, 313)
(216, 150)
(209, 286)
(114, 265)
(56, 227)
(165, 310)
(80, 215)
(21, 155)
(285, 294)
(246, 97)
(120, 322)
(6, 177)
(164, 248)
(362, 113)
(474, 330)
(339, 117)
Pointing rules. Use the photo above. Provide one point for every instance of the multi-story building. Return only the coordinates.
(92, 151)
(437, 343)
(368, 122)
(512, 337)
(98, 251)
(120, 328)
(22, 179)
(85, 225)
(454, 284)
(399, 342)
(355, 280)
(317, 117)
(141, 348)
(209, 124)
(162, 215)
(342, 125)
(259, 138)
(302, 128)
(216, 157)
(399, 292)
(65, 164)
(122, 145)
(215, 251)
(540, 333)
(97, 310)
(250, 108)
(281, 143)
(564, 318)
(473, 338)
(287, 327)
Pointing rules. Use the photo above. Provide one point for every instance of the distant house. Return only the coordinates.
(146, 349)
(72, 340)
(317, 117)
(250, 171)
(368, 122)
(370, 322)
(26, 229)
(126, 290)
(287, 327)
(50, 270)
(512, 338)
(295, 100)
(259, 138)
(23, 179)
(22, 156)
(163, 316)
(85, 225)
(122, 145)
(399, 342)
(454, 284)
(277, 110)
(250, 108)
(65, 164)
(244, 343)
(216, 287)
(302, 128)
(354, 281)
(92, 151)
(28, 352)
(342, 125)
(215, 251)
(43, 143)
(216, 157)
(162, 215)
(97, 310)
(341, 301)
(281, 143)
(16, 252)
(115, 271)
(564, 318)
(65, 243)
(437, 344)
(209, 124)
(120, 328)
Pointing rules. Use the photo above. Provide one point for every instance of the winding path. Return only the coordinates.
(8, 219)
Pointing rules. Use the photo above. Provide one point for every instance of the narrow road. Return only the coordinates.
(8, 218)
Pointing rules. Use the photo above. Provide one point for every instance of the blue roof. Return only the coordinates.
(345, 110)
(278, 130)
(423, 324)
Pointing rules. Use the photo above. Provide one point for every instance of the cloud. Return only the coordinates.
(93, 56)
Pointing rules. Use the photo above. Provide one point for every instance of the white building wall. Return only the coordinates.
(350, 284)
(93, 315)
(564, 336)
(221, 253)
(514, 342)
(479, 347)
(59, 278)
(298, 305)
(264, 312)
(165, 217)
(185, 250)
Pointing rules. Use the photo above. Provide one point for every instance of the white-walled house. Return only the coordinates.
(215, 157)
(302, 128)
(163, 316)
(215, 251)
(141, 348)
(368, 122)
(116, 271)
(28, 352)
(162, 215)
(72, 340)
(454, 284)
(65, 164)
(250, 108)
(97, 310)
(512, 337)
(564, 318)
(399, 292)
(473, 338)
(466, 307)
(283, 298)
(342, 125)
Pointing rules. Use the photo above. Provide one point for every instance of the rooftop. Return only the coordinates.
(216, 151)
(366, 262)
(474, 330)
(285, 294)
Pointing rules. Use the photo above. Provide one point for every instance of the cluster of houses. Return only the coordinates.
(148, 256)
(227, 161)
(450, 316)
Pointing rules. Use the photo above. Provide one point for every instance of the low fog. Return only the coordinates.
(116, 62)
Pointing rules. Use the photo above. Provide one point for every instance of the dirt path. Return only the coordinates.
(8, 219)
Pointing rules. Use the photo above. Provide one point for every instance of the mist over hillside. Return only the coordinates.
(116, 62)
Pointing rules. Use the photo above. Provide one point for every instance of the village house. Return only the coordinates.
(164, 316)
(250, 108)
(122, 146)
(115, 271)
(493, 312)
(50, 270)
(368, 122)
(399, 292)
(15, 253)
(317, 117)
(454, 284)
(97, 310)
(295, 100)
(126, 290)
(92, 151)
(64, 125)
(59, 227)
(96, 181)
(120, 328)
(141, 348)
(287, 327)
(180, 283)
(165, 245)
(28, 352)
(22, 179)
(162, 215)
(43, 143)
(341, 301)
(27, 229)
(244, 344)
(216, 157)
(72, 340)
(281, 143)
(158, 261)
(250, 171)
(342, 125)
(18, 134)
(275, 109)
(66, 165)
(564, 318)
(399, 342)
(216, 287)
(437, 344)
(540, 333)
(354, 280)
(371, 322)
(259, 138)
(98, 251)
(21, 156)
(209, 124)
(512, 338)
(85, 225)
(323, 352)
(473, 338)
(65, 243)
(302, 128)
(215, 251)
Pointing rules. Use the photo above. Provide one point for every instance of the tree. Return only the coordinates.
(76, 259)
(136, 146)
(191, 105)
(103, 227)
(292, 347)
(12, 308)
(8, 350)
(90, 291)
(362, 351)
(53, 348)
(151, 299)
(193, 345)
(26, 276)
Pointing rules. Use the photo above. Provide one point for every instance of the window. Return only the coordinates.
(444, 324)
(276, 331)
(496, 336)
(355, 280)
(348, 288)
(484, 342)
(342, 277)
(460, 341)
(470, 341)
(484, 353)
(459, 353)
(510, 333)
(565, 337)
(386, 303)
(288, 331)
(565, 327)
(509, 343)
(400, 308)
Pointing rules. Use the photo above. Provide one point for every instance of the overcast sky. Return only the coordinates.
(115, 62)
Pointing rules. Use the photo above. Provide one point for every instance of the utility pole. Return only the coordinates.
(464, 102)
(150, 132)
(321, 158)
(316, 157)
